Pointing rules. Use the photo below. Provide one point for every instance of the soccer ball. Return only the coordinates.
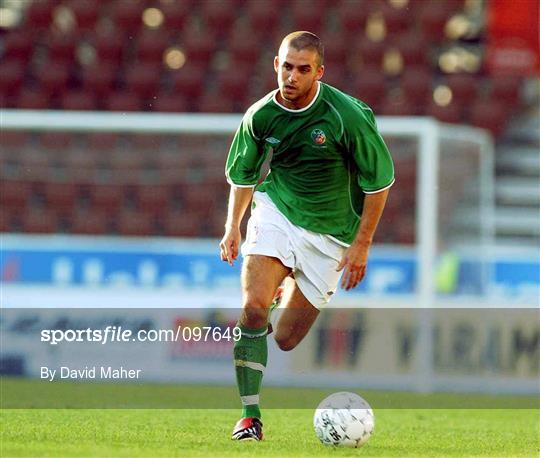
(344, 419)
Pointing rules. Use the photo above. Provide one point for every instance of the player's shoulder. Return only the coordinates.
(262, 107)
(346, 105)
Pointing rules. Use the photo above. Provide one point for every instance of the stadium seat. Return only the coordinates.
(170, 103)
(234, 82)
(262, 17)
(11, 77)
(102, 143)
(53, 77)
(199, 47)
(107, 197)
(370, 87)
(175, 14)
(151, 45)
(89, 221)
(86, 13)
(413, 47)
(78, 100)
(109, 45)
(15, 193)
(124, 101)
(127, 16)
(13, 140)
(99, 78)
(352, 17)
(18, 45)
(370, 53)
(126, 160)
(61, 196)
(488, 114)
(416, 83)
(52, 142)
(179, 223)
(464, 87)
(433, 17)
(215, 102)
(38, 16)
(187, 81)
(134, 223)
(33, 99)
(505, 89)
(396, 103)
(61, 47)
(244, 46)
(452, 113)
(306, 18)
(143, 79)
(218, 14)
(153, 199)
(39, 221)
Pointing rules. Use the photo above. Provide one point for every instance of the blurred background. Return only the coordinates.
(113, 211)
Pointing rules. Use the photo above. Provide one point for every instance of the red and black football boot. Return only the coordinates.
(248, 429)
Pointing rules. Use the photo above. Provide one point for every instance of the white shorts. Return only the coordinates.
(312, 257)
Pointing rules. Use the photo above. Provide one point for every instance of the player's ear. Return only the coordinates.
(276, 63)
(320, 72)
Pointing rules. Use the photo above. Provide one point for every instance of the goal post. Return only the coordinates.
(443, 198)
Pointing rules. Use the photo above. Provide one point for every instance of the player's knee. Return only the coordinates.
(255, 313)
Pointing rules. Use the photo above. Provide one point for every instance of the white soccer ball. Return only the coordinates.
(344, 419)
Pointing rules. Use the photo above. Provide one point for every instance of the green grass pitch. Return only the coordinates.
(288, 432)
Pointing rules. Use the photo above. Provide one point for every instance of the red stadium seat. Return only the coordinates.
(39, 221)
(86, 13)
(128, 15)
(153, 199)
(54, 77)
(124, 101)
(33, 99)
(505, 89)
(307, 18)
(78, 100)
(187, 81)
(99, 78)
(135, 222)
(176, 14)
(218, 14)
(13, 140)
(170, 103)
(147, 143)
(370, 87)
(55, 141)
(90, 221)
(143, 79)
(464, 87)
(15, 194)
(371, 53)
(181, 224)
(396, 103)
(263, 17)
(416, 83)
(433, 17)
(109, 45)
(234, 82)
(11, 77)
(61, 196)
(452, 113)
(61, 47)
(104, 143)
(38, 16)
(413, 47)
(151, 46)
(18, 45)
(127, 160)
(243, 46)
(215, 102)
(352, 16)
(107, 197)
(489, 114)
(199, 47)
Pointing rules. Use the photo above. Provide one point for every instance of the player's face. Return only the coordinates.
(297, 72)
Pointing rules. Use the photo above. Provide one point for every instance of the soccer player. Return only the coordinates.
(312, 217)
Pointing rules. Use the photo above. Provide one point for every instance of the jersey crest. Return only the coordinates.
(318, 136)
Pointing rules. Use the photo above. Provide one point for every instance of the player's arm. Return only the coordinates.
(242, 170)
(239, 199)
(354, 261)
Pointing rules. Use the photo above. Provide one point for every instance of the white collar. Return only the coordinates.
(299, 110)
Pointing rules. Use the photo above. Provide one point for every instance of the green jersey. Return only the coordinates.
(325, 157)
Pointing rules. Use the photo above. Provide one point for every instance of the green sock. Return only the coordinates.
(250, 358)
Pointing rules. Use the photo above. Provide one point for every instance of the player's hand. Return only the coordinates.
(354, 263)
(230, 244)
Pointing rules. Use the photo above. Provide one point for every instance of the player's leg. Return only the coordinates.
(261, 275)
(296, 316)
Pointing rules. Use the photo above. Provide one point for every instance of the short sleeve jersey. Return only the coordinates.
(325, 157)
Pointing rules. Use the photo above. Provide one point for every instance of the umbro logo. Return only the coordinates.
(273, 140)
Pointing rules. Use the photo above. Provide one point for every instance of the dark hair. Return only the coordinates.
(305, 40)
